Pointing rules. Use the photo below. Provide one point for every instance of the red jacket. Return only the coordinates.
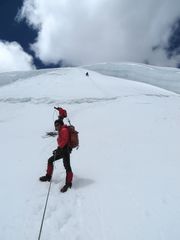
(63, 136)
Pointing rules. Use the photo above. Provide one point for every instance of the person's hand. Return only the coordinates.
(54, 152)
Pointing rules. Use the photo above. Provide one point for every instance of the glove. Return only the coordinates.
(54, 152)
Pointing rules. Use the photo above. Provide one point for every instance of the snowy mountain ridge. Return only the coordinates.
(164, 77)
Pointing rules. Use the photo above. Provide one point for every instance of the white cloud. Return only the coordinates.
(13, 58)
(100, 30)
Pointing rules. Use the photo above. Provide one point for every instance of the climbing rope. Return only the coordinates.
(42, 221)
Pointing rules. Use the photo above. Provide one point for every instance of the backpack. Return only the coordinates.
(73, 137)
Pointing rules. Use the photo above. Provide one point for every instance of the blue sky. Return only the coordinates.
(49, 34)
(13, 30)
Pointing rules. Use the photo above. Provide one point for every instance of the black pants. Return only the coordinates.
(62, 153)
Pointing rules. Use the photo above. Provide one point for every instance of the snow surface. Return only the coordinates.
(126, 171)
(167, 78)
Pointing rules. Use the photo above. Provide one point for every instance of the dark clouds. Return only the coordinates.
(173, 47)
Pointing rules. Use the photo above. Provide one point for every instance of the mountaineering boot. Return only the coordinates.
(46, 178)
(69, 177)
(66, 186)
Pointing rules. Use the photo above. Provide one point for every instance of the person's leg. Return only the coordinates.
(69, 173)
(50, 166)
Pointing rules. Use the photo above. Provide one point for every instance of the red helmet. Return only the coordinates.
(62, 112)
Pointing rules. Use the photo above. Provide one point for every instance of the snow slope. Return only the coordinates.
(126, 172)
(167, 78)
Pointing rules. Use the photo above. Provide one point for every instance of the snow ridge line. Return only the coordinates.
(47, 100)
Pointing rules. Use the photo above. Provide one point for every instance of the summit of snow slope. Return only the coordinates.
(126, 171)
(68, 85)
(167, 78)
